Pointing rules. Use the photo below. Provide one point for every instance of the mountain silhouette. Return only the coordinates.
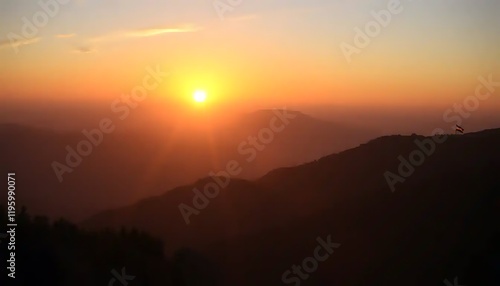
(131, 165)
(442, 221)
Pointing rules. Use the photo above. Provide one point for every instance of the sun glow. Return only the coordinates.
(200, 96)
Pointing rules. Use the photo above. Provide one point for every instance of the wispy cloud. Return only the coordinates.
(64, 36)
(84, 50)
(149, 32)
(18, 43)
(159, 31)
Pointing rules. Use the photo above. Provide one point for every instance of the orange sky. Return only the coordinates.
(261, 54)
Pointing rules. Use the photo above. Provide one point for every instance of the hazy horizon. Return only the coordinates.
(387, 121)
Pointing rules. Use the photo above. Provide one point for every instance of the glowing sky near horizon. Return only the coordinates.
(271, 52)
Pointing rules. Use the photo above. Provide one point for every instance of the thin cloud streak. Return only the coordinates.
(145, 33)
(159, 31)
(18, 43)
(84, 50)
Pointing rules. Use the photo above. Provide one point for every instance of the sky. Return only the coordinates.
(259, 53)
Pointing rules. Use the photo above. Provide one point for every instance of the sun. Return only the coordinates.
(200, 96)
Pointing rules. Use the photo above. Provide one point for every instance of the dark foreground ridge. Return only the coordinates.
(440, 223)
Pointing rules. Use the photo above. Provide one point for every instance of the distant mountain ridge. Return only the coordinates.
(129, 166)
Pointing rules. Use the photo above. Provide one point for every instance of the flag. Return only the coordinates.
(459, 129)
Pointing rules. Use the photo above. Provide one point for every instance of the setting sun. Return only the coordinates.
(200, 96)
